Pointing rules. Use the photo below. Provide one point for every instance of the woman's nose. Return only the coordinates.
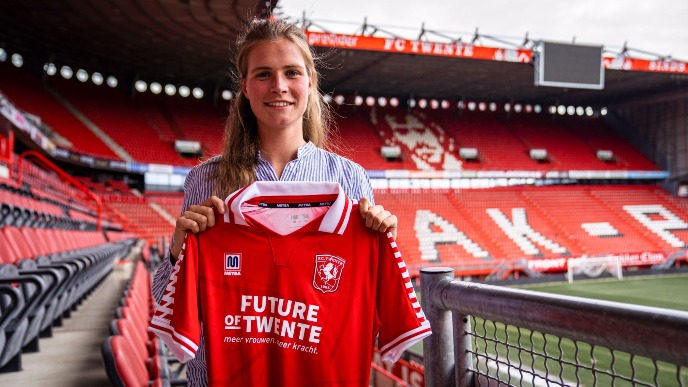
(279, 84)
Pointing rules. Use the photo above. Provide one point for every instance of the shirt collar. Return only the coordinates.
(334, 221)
(303, 151)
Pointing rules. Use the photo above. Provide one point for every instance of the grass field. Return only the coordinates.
(548, 357)
(667, 291)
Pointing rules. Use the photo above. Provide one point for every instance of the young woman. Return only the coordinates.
(277, 130)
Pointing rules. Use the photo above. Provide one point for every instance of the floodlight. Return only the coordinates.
(553, 109)
(3, 55)
(382, 101)
(197, 92)
(97, 78)
(184, 91)
(370, 101)
(507, 107)
(412, 103)
(394, 101)
(112, 81)
(50, 69)
(492, 106)
(140, 86)
(170, 89)
(482, 106)
(460, 105)
(571, 110)
(529, 108)
(580, 111)
(518, 108)
(471, 106)
(422, 103)
(226, 94)
(82, 75)
(434, 103)
(327, 98)
(537, 109)
(445, 104)
(66, 72)
(358, 100)
(17, 60)
(155, 88)
(603, 111)
(588, 111)
(339, 99)
(561, 110)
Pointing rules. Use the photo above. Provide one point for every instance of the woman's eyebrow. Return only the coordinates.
(289, 66)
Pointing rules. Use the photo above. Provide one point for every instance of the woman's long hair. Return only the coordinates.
(236, 167)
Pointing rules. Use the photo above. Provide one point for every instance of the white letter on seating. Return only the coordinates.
(521, 233)
(450, 235)
(660, 227)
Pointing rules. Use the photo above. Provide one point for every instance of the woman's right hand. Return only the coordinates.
(195, 219)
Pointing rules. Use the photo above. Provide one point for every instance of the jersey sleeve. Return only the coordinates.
(175, 319)
(402, 321)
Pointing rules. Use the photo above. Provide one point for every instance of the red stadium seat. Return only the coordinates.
(123, 365)
(7, 252)
(18, 242)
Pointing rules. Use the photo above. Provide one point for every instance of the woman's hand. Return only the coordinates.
(377, 218)
(195, 219)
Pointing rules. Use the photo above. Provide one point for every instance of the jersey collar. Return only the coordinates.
(334, 221)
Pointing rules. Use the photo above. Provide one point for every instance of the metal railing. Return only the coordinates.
(492, 335)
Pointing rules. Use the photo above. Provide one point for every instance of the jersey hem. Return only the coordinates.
(182, 348)
(392, 351)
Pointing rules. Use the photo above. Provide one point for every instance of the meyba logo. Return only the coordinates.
(232, 263)
(327, 273)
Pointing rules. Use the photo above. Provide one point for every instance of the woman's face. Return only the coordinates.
(277, 86)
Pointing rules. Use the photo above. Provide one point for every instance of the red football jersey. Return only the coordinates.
(291, 289)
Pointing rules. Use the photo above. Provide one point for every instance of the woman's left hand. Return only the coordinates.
(377, 218)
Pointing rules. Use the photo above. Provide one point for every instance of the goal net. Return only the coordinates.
(594, 267)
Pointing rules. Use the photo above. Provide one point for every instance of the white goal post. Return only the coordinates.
(594, 267)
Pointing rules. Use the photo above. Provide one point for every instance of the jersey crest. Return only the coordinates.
(328, 272)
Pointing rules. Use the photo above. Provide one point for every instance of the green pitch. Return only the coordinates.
(657, 291)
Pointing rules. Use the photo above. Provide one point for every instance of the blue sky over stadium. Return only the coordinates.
(655, 26)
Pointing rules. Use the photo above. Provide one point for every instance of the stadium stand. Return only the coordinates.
(51, 253)
(425, 145)
(119, 118)
(429, 139)
(171, 203)
(56, 270)
(359, 139)
(600, 136)
(196, 120)
(132, 355)
(36, 98)
(144, 219)
(455, 229)
(432, 140)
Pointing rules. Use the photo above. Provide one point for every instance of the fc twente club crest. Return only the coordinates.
(328, 271)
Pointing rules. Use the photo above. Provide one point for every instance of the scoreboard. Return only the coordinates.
(568, 65)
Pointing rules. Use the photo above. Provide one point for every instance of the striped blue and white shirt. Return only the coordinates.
(311, 164)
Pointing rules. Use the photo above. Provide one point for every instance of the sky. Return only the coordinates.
(655, 26)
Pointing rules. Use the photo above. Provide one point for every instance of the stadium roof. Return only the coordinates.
(152, 39)
(391, 74)
(189, 41)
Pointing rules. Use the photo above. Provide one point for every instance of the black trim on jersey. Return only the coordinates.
(295, 205)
